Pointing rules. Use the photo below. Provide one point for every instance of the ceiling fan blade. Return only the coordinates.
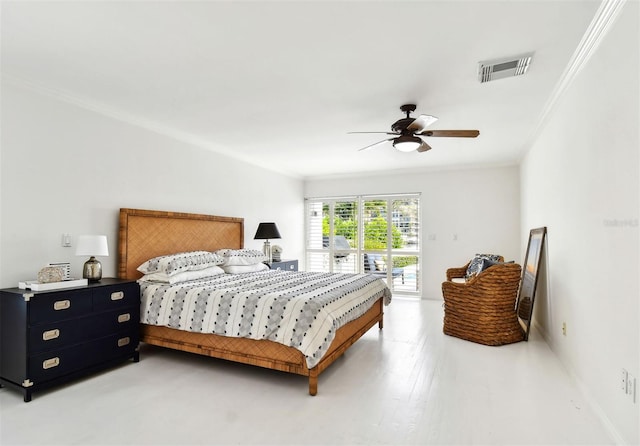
(384, 133)
(451, 133)
(370, 146)
(421, 122)
(423, 147)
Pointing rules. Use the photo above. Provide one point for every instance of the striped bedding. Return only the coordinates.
(298, 309)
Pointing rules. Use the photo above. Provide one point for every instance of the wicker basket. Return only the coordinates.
(482, 310)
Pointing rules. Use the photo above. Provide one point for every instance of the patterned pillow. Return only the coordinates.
(233, 257)
(239, 269)
(476, 266)
(184, 261)
(184, 276)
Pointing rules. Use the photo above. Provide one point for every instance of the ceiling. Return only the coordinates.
(280, 84)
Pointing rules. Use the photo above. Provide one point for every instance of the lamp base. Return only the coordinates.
(92, 270)
(266, 249)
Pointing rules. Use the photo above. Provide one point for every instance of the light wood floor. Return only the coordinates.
(409, 384)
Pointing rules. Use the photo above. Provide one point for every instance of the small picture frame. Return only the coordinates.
(66, 269)
(276, 253)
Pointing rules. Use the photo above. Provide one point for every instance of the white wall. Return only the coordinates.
(481, 206)
(65, 169)
(580, 179)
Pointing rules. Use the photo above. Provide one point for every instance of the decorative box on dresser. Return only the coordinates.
(50, 337)
(285, 265)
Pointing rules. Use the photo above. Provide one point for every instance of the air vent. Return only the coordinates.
(490, 70)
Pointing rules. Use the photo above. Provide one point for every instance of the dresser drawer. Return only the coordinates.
(107, 298)
(112, 347)
(59, 306)
(57, 334)
(285, 265)
(291, 265)
(118, 321)
(54, 363)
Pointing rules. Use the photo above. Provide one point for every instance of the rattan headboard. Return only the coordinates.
(146, 234)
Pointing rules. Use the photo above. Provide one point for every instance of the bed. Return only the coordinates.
(145, 234)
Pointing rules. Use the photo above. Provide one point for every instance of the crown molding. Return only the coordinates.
(136, 121)
(411, 171)
(598, 28)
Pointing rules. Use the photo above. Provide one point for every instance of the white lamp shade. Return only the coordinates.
(406, 143)
(406, 146)
(92, 245)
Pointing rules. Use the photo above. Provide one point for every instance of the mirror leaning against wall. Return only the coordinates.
(529, 280)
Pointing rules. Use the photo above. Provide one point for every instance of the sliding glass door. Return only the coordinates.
(332, 235)
(366, 234)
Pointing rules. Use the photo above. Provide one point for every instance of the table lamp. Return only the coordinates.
(265, 232)
(92, 245)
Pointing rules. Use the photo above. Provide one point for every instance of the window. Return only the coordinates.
(366, 234)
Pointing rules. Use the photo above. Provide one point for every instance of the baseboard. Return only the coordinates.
(600, 414)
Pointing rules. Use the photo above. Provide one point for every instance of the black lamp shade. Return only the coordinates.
(267, 231)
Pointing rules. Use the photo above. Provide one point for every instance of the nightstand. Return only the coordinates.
(51, 337)
(285, 265)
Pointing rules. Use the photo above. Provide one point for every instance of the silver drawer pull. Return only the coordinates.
(50, 363)
(126, 317)
(61, 305)
(123, 341)
(117, 295)
(50, 334)
(291, 266)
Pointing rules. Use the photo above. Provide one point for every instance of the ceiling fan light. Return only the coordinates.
(407, 143)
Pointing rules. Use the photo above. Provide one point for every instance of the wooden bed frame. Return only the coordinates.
(145, 234)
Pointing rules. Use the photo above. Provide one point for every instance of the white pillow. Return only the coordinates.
(177, 263)
(241, 256)
(184, 276)
(239, 269)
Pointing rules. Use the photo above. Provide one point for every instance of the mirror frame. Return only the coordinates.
(529, 278)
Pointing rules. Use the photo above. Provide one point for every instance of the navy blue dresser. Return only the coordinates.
(51, 337)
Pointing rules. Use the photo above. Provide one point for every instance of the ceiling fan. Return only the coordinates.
(407, 132)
